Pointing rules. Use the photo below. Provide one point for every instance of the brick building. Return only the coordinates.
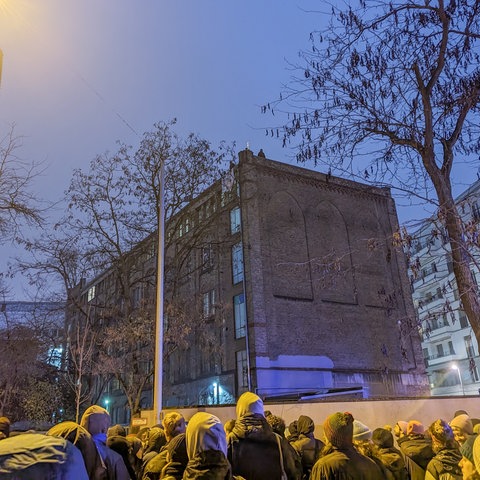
(295, 286)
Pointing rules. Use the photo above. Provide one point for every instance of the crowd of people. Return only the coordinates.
(256, 445)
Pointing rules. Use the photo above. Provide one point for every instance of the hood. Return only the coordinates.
(249, 403)
(205, 432)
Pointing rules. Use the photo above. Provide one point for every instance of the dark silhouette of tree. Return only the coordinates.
(389, 93)
(108, 236)
(18, 204)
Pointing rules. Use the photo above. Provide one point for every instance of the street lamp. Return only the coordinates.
(106, 402)
(455, 367)
(157, 391)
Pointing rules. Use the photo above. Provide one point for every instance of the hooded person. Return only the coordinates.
(117, 441)
(462, 427)
(35, 456)
(391, 457)
(96, 421)
(445, 464)
(254, 450)
(206, 446)
(339, 458)
(79, 436)
(307, 446)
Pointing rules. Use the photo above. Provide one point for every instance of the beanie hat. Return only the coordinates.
(459, 412)
(361, 432)
(382, 437)
(466, 449)
(5, 426)
(463, 423)
(415, 427)
(249, 403)
(338, 429)
(403, 426)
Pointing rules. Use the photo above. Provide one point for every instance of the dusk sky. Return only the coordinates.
(78, 76)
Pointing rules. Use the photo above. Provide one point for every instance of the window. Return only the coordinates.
(91, 293)
(463, 320)
(237, 263)
(209, 303)
(451, 350)
(240, 315)
(207, 256)
(440, 350)
(242, 371)
(235, 220)
(469, 346)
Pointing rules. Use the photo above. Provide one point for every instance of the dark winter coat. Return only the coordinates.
(208, 465)
(177, 459)
(418, 448)
(393, 461)
(345, 464)
(254, 453)
(444, 465)
(306, 445)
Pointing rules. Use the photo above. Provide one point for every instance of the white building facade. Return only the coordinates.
(449, 346)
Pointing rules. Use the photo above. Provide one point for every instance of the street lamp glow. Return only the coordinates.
(454, 366)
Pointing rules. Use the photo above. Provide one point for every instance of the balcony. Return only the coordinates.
(437, 359)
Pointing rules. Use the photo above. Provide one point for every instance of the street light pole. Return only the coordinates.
(455, 367)
(157, 401)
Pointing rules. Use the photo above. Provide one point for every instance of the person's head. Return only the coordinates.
(117, 431)
(173, 424)
(277, 423)
(293, 430)
(205, 432)
(249, 403)
(361, 433)
(4, 427)
(156, 440)
(414, 427)
(467, 463)
(338, 429)
(305, 425)
(382, 438)
(462, 427)
(400, 429)
(95, 420)
(442, 435)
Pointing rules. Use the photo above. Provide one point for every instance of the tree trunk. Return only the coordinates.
(467, 287)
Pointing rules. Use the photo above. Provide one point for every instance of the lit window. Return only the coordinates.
(91, 293)
(237, 263)
(235, 220)
(240, 315)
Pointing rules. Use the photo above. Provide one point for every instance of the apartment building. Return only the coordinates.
(449, 346)
(292, 285)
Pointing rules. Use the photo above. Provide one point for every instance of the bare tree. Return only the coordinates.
(389, 93)
(114, 209)
(18, 204)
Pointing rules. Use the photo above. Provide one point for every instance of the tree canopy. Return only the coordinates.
(389, 93)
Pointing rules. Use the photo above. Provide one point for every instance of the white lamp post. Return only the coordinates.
(157, 392)
(455, 367)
